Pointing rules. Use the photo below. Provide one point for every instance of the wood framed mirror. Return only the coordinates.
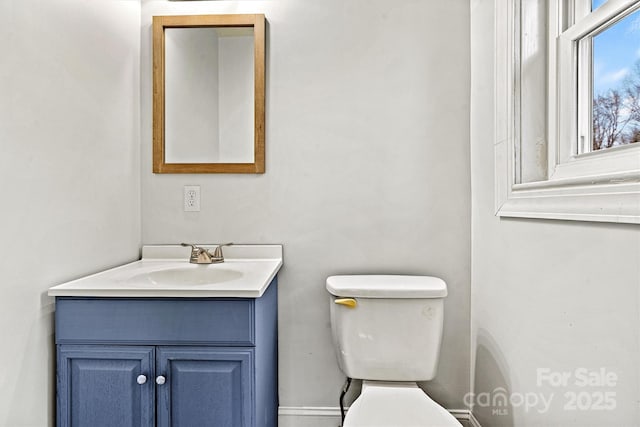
(209, 94)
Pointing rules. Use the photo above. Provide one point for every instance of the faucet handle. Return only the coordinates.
(195, 252)
(194, 248)
(217, 253)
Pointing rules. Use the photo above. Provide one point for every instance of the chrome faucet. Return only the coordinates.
(203, 256)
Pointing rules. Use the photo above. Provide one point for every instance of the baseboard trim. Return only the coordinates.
(473, 421)
(309, 411)
(334, 412)
(460, 414)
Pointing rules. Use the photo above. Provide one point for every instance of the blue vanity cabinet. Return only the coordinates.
(206, 386)
(204, 361)
(112, 385)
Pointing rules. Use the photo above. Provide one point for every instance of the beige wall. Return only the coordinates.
(551, 295)
(367, 169)
(69, 174)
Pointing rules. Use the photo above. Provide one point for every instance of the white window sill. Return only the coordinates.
(602, 203)
(602, 197)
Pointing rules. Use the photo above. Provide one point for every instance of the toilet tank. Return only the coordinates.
(393, 331)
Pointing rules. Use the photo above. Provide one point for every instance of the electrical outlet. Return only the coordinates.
(192, 198)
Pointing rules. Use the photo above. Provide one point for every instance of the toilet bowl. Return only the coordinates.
(387, 332)
(396, 404)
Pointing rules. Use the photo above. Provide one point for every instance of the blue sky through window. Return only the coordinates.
(615, 51)
(597, 3)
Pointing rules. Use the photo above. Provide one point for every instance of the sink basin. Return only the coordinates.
(165, 272)
(192, 275)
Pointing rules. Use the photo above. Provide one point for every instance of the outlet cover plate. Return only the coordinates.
(192, 198)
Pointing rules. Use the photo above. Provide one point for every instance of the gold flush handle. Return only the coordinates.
(349, 302)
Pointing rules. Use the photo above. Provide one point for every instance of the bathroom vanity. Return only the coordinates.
(161, 342)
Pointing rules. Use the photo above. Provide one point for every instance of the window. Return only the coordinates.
(614, 85)
(573, 153)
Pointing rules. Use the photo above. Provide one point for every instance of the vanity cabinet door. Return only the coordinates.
(105, 386)
(204, 386)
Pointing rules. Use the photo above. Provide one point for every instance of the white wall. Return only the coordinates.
(367, 169)
(546, 294)
(69, 174)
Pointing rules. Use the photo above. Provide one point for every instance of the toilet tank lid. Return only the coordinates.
(389, 286)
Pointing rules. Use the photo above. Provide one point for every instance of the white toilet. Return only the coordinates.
(387, 331)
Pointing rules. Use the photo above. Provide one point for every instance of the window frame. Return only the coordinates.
(599, 186)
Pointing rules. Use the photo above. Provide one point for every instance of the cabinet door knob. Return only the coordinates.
(160, 380)
(141, 379)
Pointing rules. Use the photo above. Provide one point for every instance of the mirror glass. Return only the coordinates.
(209, 94)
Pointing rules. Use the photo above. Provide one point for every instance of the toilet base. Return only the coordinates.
(396, 404)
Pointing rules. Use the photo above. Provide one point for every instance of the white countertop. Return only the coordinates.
(246, 273)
